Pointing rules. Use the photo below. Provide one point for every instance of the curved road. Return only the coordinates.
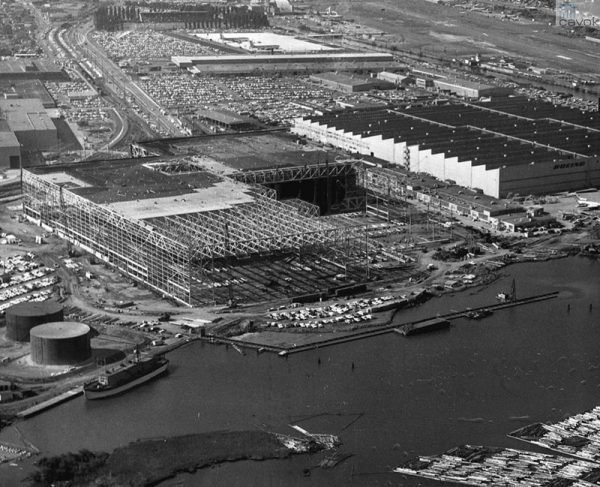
(79, 36)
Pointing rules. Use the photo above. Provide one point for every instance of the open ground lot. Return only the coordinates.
(249, 151)
(441, 30)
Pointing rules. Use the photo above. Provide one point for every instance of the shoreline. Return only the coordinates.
(128, 465)
(385, 319)
(9, 411)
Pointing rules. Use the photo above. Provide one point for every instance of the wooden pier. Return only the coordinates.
(54, 401)
(382, 329)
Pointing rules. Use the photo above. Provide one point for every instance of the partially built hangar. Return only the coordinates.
(176, 225)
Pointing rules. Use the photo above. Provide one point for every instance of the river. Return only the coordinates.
(388, 397)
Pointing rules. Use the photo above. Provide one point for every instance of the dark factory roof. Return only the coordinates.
(466, 143)
(11, 66)
(246, 151)
(35, 308)
(128, 179)
(150, 188)
(543, 131)
(225, 116)
(537, 109)
(60, 330)
(344, 78)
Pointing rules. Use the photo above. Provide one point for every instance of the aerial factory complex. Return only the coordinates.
(195, 221)
(284, 176)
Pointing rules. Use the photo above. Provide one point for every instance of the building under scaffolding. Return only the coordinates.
(175, 224)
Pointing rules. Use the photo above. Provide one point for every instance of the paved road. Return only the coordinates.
(81, 42)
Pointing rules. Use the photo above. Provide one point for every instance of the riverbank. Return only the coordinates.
(130, 465)
(419, 396)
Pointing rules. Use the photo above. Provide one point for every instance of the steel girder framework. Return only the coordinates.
(170, 253)
(261, 227)
(296, 173)
(133, 247)
(384, 182)
(303, 208)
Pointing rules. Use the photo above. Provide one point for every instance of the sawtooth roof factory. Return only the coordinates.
(500, 147)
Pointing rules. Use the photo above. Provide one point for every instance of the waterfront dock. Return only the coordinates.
(382, 329)
(502, 467)
(578, 435)
(54, 401)
(243, 343)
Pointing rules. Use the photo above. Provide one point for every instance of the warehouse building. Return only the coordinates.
(291, 63)
(26, 89)
(470, 89)
(449, 83)
(22, 69)
(472, 146)
(226, 120)
(350, 84)
(10, 150)
(398, 79)
(30, 122)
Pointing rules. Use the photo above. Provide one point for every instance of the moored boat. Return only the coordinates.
(126, 376)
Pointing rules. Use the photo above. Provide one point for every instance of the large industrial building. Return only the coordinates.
(22, 69)
(30, 122)
(350, 84)
(225, 119)
(499, 148)
(294, 63)
(176, 224)
(470, 89)
(267, 42)
(465, 88)
(398, 79)
(10, 149)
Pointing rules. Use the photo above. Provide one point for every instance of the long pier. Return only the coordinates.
(54, 401)
(241, 343)
(381, 329)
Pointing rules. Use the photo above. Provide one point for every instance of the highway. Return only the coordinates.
(79, 39)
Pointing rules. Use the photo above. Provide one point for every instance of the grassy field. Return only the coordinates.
(147, 462)
(425, 26)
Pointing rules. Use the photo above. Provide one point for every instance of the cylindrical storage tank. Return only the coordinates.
(60, 343)
(22, 317)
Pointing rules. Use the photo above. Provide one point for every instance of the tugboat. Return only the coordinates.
(126, 376)
(480, 314)
(508, 296)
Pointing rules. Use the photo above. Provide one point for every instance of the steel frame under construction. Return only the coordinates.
(298, 173)
(174, 254)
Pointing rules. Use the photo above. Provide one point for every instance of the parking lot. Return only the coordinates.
(24, 279)
(147, 44)
(82, 106)
(271, 99)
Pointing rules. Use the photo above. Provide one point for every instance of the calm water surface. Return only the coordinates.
(472, 384)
